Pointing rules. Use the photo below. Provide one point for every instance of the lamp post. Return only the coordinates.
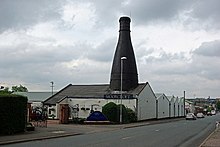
(184, 100)
(52, 86)
(122, 58)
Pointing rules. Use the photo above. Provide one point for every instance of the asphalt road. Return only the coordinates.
(184, 133)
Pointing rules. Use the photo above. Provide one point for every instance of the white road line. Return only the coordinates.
(127, 137)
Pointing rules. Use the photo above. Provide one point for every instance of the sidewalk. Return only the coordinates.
(213, 139)
(55, 130)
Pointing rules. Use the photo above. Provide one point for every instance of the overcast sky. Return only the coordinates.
(176, 43)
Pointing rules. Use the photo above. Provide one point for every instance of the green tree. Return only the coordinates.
(19, 88)
(218, 105)
(5, 90)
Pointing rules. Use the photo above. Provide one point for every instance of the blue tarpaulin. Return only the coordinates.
(96, 116)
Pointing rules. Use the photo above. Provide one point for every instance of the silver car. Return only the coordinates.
(200, 115)
(190, 116)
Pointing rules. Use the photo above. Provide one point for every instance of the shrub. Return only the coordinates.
(111, 112)
(131, 115)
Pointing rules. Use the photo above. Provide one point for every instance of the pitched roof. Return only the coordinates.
(158, 95)
(162, 95)
(87, 91)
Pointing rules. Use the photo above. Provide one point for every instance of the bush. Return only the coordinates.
(131, 115)
(112, 112)
(13, 110)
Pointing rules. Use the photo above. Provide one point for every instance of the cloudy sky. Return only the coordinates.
(176, 43)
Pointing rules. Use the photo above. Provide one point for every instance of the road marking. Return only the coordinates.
(157, 130)
(57, 132)
(127, 137)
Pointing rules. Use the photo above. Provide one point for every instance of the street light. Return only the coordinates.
(184, 100)
(52, 86)
(122, 58)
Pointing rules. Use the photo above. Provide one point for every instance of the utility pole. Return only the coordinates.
(52, 86)
(184, 99)
(122, 59)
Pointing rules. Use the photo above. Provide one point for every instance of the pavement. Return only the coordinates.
(213, 140)
(56, 130)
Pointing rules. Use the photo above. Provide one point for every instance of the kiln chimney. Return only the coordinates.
(124, 49)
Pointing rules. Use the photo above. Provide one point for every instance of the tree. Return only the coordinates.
(5, 90)
(110, 111)
(19, 88)
(218, 105)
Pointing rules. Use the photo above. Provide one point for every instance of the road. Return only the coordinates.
(184, 133)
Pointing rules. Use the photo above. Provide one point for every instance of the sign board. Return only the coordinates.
(118, 96)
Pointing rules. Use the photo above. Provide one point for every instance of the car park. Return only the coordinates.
(190, 116)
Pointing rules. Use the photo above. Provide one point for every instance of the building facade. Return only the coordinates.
(123, 85)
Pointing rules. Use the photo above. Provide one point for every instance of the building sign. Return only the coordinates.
(118, 96)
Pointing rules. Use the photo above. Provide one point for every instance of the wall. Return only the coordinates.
(146, 104)
(176, 108)
(181, 107)
(171, 108)
(163, 107)
(82, 107)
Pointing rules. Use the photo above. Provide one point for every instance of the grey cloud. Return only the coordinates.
(145, 11)
(107, 11)
(211, 49)
(203, 63)
(24, 13)
(173, 73)
(207, 13)
(166, 57)
(30, 54)
(36, 64)
(27, 56)
(103, 52)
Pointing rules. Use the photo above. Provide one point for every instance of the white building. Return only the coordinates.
(171, 106)
(181, 107)
(146, 103)
(82, 99)
(176, 107)
(163, 106)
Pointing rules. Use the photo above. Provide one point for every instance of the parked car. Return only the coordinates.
(190, 116)
(213, 112)
(200, 115)
(209, 113)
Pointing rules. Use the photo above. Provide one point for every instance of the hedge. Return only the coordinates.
(112, 111)
(13, 110)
